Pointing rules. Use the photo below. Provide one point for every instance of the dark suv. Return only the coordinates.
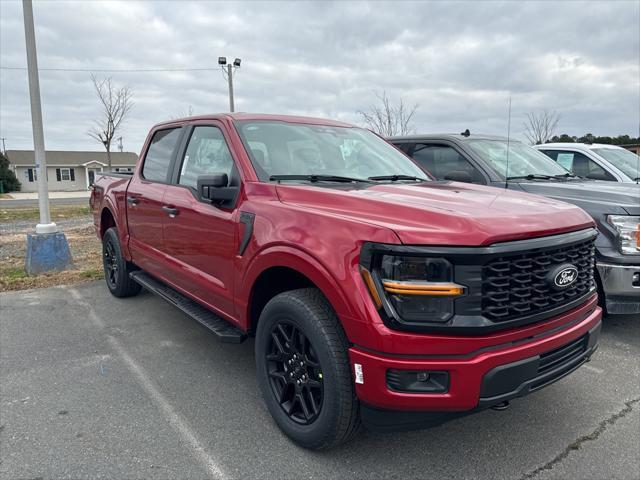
(496, 161)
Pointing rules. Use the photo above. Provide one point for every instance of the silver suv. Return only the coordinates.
(596, 161)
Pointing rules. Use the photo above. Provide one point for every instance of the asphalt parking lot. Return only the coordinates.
(96, 387)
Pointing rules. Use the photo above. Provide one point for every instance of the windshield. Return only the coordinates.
(281, 148)
(623, 159)
(523, 159)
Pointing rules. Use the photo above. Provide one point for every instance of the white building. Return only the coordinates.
(67, 171)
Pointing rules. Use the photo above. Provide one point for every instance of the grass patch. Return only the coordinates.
(92, 274)
(14, 273)
(86, 252)
(58, 212)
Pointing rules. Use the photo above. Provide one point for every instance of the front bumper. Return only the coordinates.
(474, 381)
(621, 285)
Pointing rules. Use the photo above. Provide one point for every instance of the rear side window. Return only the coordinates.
(159, 154)
(443, 160)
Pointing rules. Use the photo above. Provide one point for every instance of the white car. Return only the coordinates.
(596, 161)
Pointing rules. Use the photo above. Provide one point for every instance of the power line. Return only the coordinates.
(116, 70)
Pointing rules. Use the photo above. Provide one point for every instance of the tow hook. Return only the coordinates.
(501, 406)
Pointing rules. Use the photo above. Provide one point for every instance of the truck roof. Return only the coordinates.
(241, 116)
(579, 146)
(456, 137)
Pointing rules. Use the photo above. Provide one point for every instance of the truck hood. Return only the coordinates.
(442, 213)
(615, 195)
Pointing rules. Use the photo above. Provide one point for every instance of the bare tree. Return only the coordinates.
(386, 119)
(116, 104)
(540, 127)
(183, 113)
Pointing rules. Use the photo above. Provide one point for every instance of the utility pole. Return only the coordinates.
(45, 225)
(120, 143)
(47, 249)
(229, 69)
(4, 149)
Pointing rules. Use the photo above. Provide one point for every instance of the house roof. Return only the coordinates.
(79, 159)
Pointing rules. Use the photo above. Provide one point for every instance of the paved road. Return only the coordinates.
(22, 202)
(95, 387)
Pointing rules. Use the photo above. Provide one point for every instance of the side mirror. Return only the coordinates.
(214, 188)
(459, 176)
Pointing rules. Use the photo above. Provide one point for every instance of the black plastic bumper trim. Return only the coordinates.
(521, 378)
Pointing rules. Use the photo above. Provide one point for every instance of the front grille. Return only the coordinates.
(559, 361)
(515, 286)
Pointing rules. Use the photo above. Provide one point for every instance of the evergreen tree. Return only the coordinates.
(8, 179)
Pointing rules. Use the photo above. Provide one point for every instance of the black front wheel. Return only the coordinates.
(116, 268)
(304, 371)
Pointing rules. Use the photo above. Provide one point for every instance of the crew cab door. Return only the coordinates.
(144, 200)
(200, 238)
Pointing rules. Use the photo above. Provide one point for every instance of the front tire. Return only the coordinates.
(116, 268)
(303, 370)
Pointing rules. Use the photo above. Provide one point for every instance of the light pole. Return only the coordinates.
(228, 69)
(47, 249)
(45, 225)
(4, 149)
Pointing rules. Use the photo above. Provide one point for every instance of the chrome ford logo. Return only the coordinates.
(563, 276)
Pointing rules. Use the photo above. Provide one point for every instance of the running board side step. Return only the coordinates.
(225, 332)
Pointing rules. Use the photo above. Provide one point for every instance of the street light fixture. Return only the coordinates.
(228, 69)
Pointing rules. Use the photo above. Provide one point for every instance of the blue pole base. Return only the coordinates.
(47, 252)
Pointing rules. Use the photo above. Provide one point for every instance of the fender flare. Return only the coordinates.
(300, 261)
(107, 204)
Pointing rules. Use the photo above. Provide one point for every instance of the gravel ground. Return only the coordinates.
(99, 387)
(28, 226)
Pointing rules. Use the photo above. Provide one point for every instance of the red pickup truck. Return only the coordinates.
(376, 295)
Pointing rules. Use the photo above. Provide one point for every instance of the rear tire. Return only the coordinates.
(116, 268)
(304, 372)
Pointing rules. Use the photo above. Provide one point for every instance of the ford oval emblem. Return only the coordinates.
(563, 276)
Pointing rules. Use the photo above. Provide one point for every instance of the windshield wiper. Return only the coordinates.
(318, 178)
(531, 176)
(395, 178)
(565, 176)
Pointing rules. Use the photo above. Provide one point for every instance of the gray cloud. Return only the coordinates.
(460, 61)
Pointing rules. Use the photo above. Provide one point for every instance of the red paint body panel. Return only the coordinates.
(319, 233)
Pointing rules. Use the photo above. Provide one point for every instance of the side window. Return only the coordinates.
(579, 164)
(443, 161)
(405, 147)
(158, 158)
(583, 166)
(206, 153)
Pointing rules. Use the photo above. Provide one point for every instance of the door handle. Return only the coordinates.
(133, 200)
(171, 211)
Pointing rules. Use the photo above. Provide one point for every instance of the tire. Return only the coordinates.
(316, 371)
(116, 268)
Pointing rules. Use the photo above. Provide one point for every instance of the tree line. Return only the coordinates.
(591, 138)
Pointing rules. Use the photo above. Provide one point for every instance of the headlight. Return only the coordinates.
(420, 289)
(628, 228)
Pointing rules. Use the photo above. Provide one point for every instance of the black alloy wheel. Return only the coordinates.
(295, 374)
(116, 267)
(110, 262)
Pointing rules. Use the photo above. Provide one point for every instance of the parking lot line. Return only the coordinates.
(173, 418)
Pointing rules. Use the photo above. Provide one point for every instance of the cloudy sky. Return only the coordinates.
(459, 61)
